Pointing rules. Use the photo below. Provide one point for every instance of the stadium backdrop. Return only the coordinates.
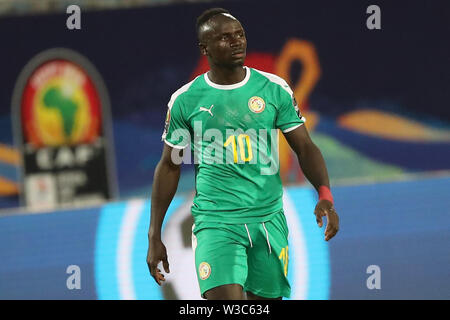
(375, 100)
(376, 103)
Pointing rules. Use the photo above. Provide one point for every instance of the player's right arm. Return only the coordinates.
(165, 183)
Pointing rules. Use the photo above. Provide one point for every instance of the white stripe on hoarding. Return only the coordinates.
(125, 249)
(297, 249)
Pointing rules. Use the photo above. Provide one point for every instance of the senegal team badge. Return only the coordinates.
(256, 104)
(204, 270)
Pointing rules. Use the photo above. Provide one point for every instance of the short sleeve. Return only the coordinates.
(176, 130)
(289, 116)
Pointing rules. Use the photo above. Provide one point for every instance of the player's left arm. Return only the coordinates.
(313, 166)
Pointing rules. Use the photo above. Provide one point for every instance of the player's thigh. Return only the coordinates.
(268, 261)
(220, 258)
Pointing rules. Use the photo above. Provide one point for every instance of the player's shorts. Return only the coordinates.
(254, 255)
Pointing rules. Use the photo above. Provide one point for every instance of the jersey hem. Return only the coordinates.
(201, 218)
(270, 295)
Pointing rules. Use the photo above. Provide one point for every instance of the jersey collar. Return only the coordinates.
(228, 86)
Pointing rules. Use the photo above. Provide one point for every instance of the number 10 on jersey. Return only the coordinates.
(240, 142)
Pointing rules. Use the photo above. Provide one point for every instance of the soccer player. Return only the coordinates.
(240, 234)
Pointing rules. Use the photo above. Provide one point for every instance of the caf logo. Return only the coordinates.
(256, 104)
(60, 105)
(204, 270)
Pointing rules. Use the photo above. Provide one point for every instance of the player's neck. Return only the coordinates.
(226, 76)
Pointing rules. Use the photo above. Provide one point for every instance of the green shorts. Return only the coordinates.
(254, 255)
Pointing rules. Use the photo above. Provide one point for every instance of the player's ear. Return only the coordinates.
(202, 48)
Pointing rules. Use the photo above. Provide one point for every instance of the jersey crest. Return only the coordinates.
(256, 104)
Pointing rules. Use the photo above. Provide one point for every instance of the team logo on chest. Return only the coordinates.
(204, 270)
(256, 104)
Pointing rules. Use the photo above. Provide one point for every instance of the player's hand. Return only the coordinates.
(155, 254)
(324, 208)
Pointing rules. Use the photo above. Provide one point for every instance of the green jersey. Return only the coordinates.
(233, 134)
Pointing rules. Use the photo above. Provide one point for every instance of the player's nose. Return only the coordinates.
(238, 43)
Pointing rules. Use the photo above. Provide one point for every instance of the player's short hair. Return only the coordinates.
(206, 15)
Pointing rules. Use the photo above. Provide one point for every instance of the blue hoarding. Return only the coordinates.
(401, 228)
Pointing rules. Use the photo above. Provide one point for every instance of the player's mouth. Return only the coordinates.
(238, 54)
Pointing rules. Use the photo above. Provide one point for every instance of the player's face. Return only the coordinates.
(226, 44)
